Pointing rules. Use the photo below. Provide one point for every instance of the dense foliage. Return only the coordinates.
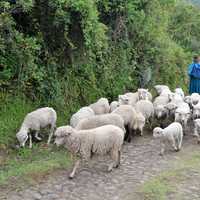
(66, 52)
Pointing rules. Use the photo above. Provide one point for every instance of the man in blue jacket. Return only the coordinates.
(194, 74)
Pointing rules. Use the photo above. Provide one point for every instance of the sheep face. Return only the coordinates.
(196, 112)
(61, 134)
(160, 111)
(123, 100)
(188, 100)
(182, 117)
(171, 107)
(157, 132)
(22, 137)
(143, 94)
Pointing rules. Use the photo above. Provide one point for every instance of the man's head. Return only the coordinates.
(196, 59)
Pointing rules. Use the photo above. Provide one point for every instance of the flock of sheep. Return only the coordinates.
(101, 128)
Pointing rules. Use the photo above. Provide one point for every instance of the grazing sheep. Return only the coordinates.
(196, 111)
(132, 121)
(84, 112)
(182, 114)
(197, 129)
(101, 120)
(101, 106)
(172, 134)
(162, 89)
(144, 94)
(102, 140)
(180, 92)
(159, 106)
(34, 121)
(146, 108)
(114, 105)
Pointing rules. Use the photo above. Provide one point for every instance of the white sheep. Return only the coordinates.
(146, 108)
(101, 106)
(84, 112)
(180, 92)
(159, 106)
(195, 98)
(144, 94)
(139, 122)
(188, 100)
(128, 98)
(182, 114)
(176, 101)
(197, 129)
(101, 120)
(131, 121)
(34, 121)
(196, 111)
(102, 140)
(162, 89)
(172, 134)
(114, 105)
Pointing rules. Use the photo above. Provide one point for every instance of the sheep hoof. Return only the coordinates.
(110, 169)
(71, 176)
(161, 154)
(198, 142)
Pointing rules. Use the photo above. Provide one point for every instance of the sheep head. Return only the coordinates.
(22, 137)
(62, 133)
(157, 132)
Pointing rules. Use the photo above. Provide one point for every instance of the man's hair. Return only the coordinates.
(195, 58)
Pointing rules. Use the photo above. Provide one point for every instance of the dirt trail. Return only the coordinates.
(140, 162)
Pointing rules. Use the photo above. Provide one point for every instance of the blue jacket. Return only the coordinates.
(194, 70)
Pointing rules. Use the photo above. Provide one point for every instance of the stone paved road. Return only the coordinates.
(140, 162)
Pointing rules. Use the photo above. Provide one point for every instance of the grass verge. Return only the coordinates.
(25, 164)
(159, 187)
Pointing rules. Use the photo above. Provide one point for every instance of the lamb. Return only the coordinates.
(180, 92)
(114, 105)
(162, 89)
(101, 106)
(172, 134)
(146, 108)
(182, 114)
(34, 121)
(197, 129)
(84, 112)
(144, 94)
(101, 120)
(159, 106)
(85, 143)
(132, 121)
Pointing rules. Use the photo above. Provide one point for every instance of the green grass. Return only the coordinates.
(29, 164)
(25, 164)
(160, 186)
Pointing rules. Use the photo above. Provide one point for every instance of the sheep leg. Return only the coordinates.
(180, 143)
(162, 149)
(174, 144)
(76, 165)
(119, 158)
(37, 137)
(50, 135)
(30, 141)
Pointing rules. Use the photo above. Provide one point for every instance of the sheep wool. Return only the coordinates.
(101, 120)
